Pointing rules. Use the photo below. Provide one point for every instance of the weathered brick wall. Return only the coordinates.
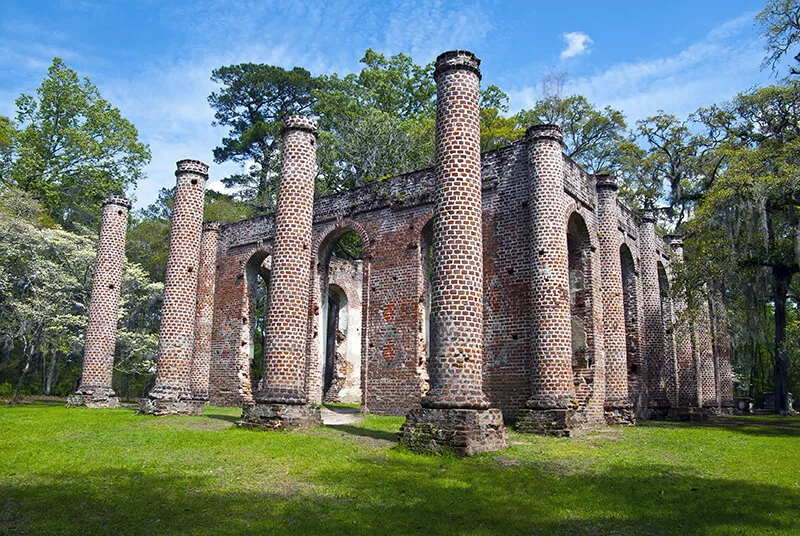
(614, 326)
(345, 279)
(391, 217)
(204, 316)
(101, 329)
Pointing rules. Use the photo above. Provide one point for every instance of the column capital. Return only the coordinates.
(191, 166)
(544, 132)
(457, 60)
(606, 180)
(301, 122)
(118, 200)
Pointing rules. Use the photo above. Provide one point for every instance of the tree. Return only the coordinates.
(377, 123)
(591, 136)
(72, 148)
(753, 209)
(252, 103)
(497, 130)
(780, 22)
(674, 161)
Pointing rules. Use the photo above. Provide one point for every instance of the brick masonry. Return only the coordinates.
(618, 408)
(544, 354)
(455, 411)
(172, 392)
(285, 363)
(101, 330)
(204, 316)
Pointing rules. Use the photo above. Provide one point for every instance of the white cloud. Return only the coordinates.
(577, 44)
(726, 61)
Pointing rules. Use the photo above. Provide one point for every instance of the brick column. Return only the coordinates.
(618, 409)
(653, 349)
(552, 404)
(172, 392)
(722, 349)
(101, 330)
(686, 373)
(455, 405)
(281, 399)
(704, 354)
(204, 315)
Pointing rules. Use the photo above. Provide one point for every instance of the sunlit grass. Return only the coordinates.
(113, 472)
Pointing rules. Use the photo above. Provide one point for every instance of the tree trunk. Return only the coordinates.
(780, 283)
(52, 374)
(28, 358)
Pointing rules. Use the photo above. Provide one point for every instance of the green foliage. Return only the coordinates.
(252, 102)
(591, 136)
(45, 282)
(780, 22)
(748, 224)
(71, 148)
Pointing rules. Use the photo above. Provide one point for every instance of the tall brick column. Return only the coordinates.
(172, 392)
(704, 354)
(653, 349)
(722, 350)
(101, 331)
(686, 375)
(455, 411)
(618, 408)
(201, 355)
(281, 399)
(553, 403)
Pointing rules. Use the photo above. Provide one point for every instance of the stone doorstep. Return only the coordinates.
(557, 422)
(280, 416)
(464, 431)
(90, 401)
(161, 407)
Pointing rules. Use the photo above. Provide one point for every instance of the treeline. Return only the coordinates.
(726, 177)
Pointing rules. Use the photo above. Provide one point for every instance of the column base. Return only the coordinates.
(265, 416)
(464, 431)
(619, 414)
(95, 399)
(168, 406)
(559, 422)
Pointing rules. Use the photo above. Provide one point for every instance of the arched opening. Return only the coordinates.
(580, 304)
(341, 291)
(668, 373)
(630, 306)
(426, 276)
(254, 316)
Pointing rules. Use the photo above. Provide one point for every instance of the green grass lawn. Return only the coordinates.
(112, 472)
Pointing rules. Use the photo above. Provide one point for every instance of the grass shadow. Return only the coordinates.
(365, 432)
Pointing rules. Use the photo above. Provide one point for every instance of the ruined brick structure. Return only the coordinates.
(510, 282)
(172, 392)
(204, 315)
(101, 330)
(455, 412)
(281, 399)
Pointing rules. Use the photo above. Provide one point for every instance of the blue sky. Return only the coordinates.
(153, 59)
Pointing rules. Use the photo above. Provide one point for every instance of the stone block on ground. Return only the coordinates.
(464, 431)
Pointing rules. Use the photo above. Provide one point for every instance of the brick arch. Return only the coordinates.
(322, 245)
(576, 209)
(327, 237)
(250, 271)
(584, 300)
